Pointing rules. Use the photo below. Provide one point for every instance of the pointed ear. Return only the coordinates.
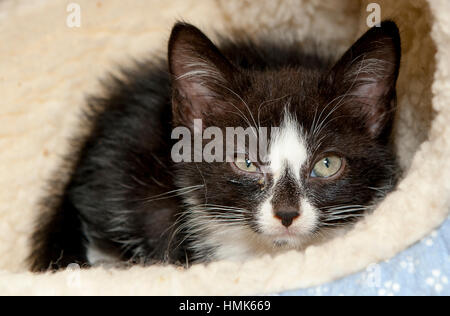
(199, 72)
(367, 74)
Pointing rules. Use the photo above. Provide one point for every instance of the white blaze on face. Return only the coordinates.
(288, 152)
(287, 149)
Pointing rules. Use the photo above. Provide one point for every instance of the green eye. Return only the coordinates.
(327, 167)
(246, 165)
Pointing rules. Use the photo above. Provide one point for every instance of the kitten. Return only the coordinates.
(329, 156)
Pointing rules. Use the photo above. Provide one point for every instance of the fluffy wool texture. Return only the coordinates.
(47, 69)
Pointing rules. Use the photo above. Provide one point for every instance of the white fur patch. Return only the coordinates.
(288, 152)
(298, 233)
(287, 149)
(241, 243)
(238, 243)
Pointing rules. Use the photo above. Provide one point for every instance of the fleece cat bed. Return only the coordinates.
(49, 65)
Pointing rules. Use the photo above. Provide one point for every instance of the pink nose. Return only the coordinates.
(287, 217)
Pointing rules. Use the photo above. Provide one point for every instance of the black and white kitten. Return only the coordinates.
(328, 161)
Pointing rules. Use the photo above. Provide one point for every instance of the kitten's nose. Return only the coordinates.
(287, 216)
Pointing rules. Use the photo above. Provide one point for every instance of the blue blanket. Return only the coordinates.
(423, 269)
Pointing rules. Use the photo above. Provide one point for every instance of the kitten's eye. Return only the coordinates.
(246, 165)
(327, 167)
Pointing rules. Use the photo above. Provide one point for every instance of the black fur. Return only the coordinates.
(121, 190)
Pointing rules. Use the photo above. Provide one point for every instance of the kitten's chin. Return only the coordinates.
(301, 241)
(289, 240)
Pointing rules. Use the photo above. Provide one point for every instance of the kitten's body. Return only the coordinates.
(127, 200)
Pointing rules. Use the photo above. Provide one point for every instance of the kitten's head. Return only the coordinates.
(329, 157)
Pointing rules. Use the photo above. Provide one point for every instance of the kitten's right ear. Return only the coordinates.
(200, 73)
(366, 78)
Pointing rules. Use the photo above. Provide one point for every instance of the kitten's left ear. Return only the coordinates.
(200, 74)
(367, 74)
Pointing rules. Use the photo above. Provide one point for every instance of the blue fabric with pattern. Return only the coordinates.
(423, 269)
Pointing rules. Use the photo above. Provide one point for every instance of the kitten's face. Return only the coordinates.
(327, 160)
